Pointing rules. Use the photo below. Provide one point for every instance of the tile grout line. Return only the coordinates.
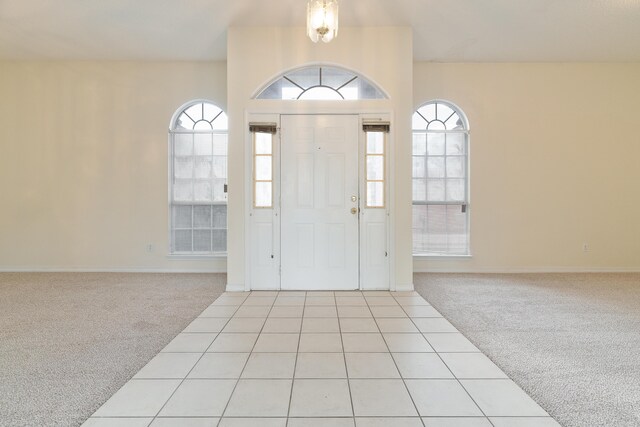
(442, 360)
(344, 358)
(295, 364)
(247, 361)
(375, 320)
(200, 358)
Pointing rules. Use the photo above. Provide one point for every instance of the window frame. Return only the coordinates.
(175, 130)
(466, 202)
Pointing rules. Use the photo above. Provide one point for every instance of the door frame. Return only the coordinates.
(273, 113)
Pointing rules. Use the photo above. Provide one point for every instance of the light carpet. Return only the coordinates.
(68, 341)
(572, 341)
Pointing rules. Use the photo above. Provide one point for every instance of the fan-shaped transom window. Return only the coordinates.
(321, 83)
(440, 180)
(201, 116)
(198, 178)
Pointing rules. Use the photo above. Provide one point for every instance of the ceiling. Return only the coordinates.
(444, 30)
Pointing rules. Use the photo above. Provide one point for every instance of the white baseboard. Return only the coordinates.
(404, 287)
(503, 270)
(231, 287)
(4, 269)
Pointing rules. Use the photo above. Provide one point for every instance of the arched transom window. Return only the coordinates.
(440, 180)
(198, 180)
(321, 83)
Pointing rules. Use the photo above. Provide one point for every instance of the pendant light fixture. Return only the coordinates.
(322, 20)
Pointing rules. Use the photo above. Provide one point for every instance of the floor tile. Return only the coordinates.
(524, 422)
(315, 398)
(277, 343)
(320, 365)
(260, 398)
(199, 398)
(138, 398)
(253, 422)
(411, 300)
(421, 365)
(358, 325)
(289, 302)
(472, 365)
(219, 366)
(320, 343)
(185, 422)
(402, 343)
(324, 300)
(371, 365)
(190, 343)
(244, 324)
(320, 422)
(456, 422)
(229, 300)
(258, 300)
(233, 343)
(319, 293)
(450, 343)
(315, 325)
(286, 311)
(421, 311)
(117, 422)
(502, 398)
(168, 366)
(375, 301)
(434, 324)
(350, 311)
(253, 311)
(363, 343)
(348, 293)
(270, 365)
(381, 398)
(403, 325)
(389, 422)
(292, 293)
(264, 293)
(404, 293)
(442, 398)
(387, 311)
(350, 301)
(219, 311)
(282, 325)
(320, 311)
(206, 324)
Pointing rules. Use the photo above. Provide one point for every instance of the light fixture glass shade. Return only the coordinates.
(322, 20)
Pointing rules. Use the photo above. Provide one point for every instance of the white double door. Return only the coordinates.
(319, 202)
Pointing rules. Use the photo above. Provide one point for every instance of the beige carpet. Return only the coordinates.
(570, 340)
(69, 341)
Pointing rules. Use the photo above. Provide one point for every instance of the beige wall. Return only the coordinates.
(555, 163)
(83, 161)
(555, 160)
(383, 55)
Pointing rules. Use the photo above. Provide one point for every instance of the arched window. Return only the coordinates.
(198, 180)
(321, 83)
(440, 180)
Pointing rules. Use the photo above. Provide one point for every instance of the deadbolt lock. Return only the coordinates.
(354, 199)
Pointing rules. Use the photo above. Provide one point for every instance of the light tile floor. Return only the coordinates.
(315, 359)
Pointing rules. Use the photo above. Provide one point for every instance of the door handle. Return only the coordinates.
(354, 210)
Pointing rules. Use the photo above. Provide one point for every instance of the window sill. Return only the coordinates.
(424, 257)
(196, 257)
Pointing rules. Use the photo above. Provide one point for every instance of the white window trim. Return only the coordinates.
(467, 132)
(170, 165)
